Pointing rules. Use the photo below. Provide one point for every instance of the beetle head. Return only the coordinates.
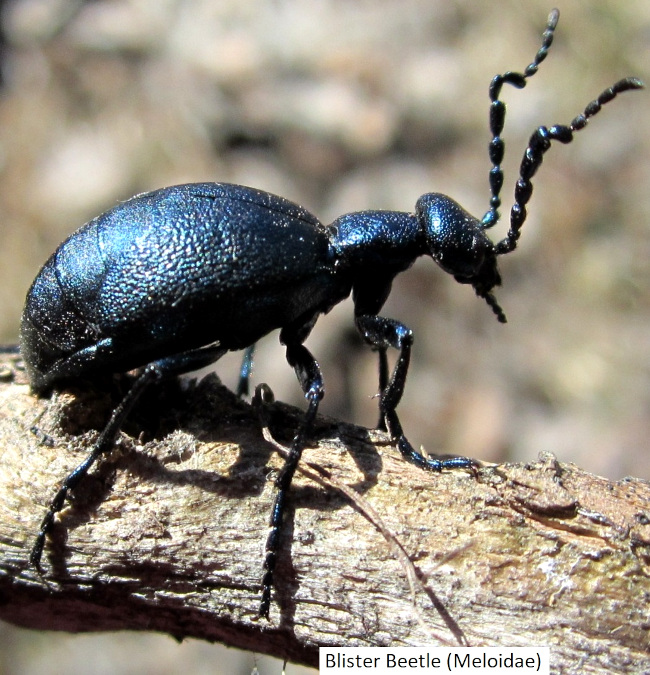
(456, 240)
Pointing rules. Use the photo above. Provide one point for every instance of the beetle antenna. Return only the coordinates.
(498, 117)
(539, 143)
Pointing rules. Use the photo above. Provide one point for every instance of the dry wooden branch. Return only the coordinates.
(167, 534)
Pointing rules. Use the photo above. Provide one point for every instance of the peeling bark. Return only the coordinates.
(167, 534)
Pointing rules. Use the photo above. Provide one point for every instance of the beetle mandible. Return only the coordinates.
(171, 280)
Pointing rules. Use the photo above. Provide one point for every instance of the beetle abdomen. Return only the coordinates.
(176, 269)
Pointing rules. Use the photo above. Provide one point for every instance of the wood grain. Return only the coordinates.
(167, 534)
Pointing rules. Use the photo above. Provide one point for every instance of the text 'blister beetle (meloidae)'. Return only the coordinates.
(169, 281)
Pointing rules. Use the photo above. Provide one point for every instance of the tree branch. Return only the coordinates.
(168, 533)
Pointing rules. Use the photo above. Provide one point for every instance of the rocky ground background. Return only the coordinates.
(343, 106)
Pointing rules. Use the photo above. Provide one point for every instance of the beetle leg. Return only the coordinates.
(311, 381)
(383, 383)
(245, 372)
(152, 373)
(382, 333)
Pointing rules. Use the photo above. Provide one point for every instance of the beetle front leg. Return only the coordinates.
(383, 382)
(311, 381)
(382, 333)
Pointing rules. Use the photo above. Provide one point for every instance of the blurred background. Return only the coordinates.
(344, 105)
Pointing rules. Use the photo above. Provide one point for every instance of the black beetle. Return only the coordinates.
(171, 280)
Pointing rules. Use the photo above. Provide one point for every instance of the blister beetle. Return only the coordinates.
(171, 280)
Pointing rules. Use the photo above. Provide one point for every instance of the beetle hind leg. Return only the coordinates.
(152, 373)
(243, 384)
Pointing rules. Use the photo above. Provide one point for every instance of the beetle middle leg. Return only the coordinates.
(382, 333)
(311, 381)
